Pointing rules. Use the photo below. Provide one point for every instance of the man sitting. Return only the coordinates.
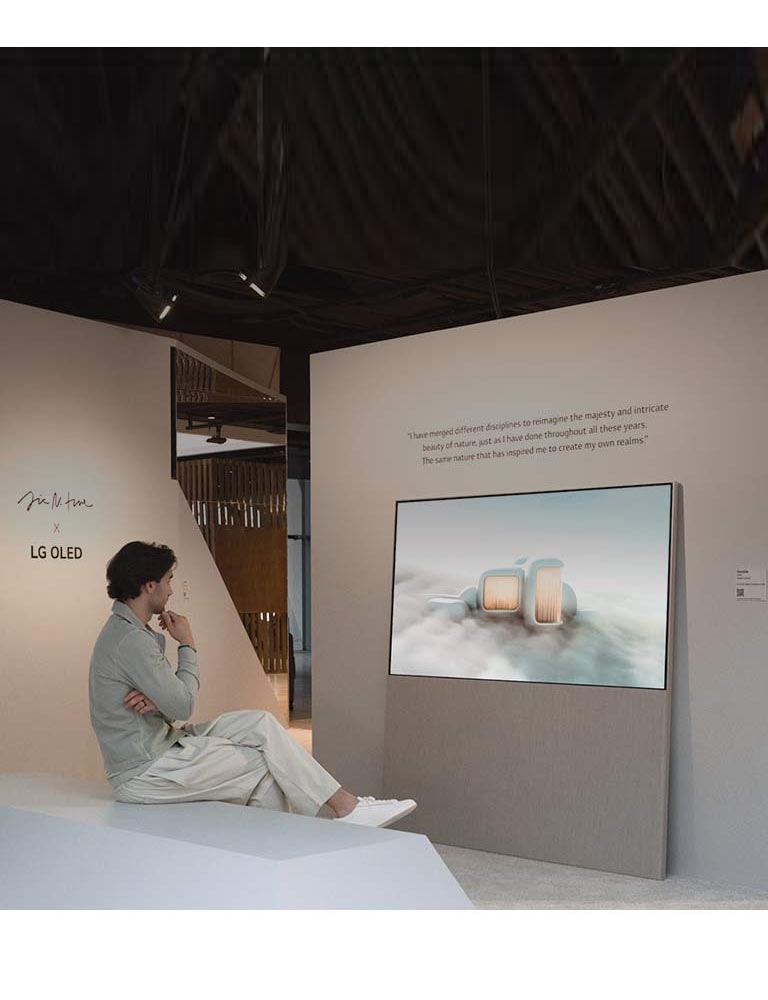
(244, 757)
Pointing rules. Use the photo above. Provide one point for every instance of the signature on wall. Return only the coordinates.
(54, 501)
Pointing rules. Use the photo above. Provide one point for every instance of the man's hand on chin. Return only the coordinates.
(177, 626)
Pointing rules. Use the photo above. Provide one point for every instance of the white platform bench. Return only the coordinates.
(66, 844)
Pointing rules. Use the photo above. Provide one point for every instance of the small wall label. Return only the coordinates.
(751, 584)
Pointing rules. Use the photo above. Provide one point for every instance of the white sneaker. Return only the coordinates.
(378, 812)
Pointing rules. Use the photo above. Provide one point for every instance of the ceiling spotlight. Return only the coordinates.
(167, 308)
(252, 284)
(157, 301)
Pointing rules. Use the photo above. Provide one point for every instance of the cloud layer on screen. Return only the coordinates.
(612, 643)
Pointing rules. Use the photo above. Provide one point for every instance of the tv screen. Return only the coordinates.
(561, 587)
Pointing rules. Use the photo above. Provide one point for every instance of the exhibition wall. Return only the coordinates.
(85, 458)
(455, 413)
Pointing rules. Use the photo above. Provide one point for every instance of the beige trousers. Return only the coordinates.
(246, 758)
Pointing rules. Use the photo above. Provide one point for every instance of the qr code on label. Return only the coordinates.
(739, 591)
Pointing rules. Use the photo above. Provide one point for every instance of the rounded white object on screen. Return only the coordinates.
(448, 607)
(570, 605)
(469, 595)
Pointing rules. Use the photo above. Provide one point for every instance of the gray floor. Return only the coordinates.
(498, 882)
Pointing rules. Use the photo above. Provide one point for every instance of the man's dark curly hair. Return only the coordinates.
(136, 564)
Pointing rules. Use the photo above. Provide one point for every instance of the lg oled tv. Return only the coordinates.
(559, 587)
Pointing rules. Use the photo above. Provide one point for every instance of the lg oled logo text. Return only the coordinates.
(55, 552)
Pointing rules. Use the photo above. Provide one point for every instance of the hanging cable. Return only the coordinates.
(176, 187)
(487, 185)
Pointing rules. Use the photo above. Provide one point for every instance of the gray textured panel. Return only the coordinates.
(576, 775)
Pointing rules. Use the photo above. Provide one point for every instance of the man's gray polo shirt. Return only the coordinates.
(128, 655)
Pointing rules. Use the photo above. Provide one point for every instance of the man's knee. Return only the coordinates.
(249, 720)
(249, 715)
(261, 715)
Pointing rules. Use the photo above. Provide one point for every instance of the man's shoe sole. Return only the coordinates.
(406, 812)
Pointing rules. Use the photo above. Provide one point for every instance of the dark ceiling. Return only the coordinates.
(373, 193)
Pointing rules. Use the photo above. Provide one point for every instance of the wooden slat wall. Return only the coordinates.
(241, 509)
(194, 380)
(269, 635)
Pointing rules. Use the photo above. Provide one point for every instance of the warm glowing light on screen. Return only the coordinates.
(501, 593)
(549, 595)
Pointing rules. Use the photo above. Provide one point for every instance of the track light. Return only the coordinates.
(157, 301)
(252, 284)
(167, 308)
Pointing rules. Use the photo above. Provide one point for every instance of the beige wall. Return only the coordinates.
(85, 409)
(702, 349)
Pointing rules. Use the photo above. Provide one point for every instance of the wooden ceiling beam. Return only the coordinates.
(554, 72)
(538, 112)
(543, 206)
(762, 245)
(750, 234)
(721, 154)
(644, 245)
(653, 203)
(214, 144)
(100, 221)
(613, 239)
(552, 75)
(615, 184)
(686, 171)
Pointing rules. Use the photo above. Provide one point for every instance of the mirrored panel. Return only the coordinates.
(230, 462)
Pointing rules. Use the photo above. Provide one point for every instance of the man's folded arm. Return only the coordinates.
(146, 669)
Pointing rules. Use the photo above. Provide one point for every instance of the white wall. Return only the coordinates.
(703, 350)
(85, 409)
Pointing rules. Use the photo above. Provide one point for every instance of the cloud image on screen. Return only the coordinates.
(565, 587)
